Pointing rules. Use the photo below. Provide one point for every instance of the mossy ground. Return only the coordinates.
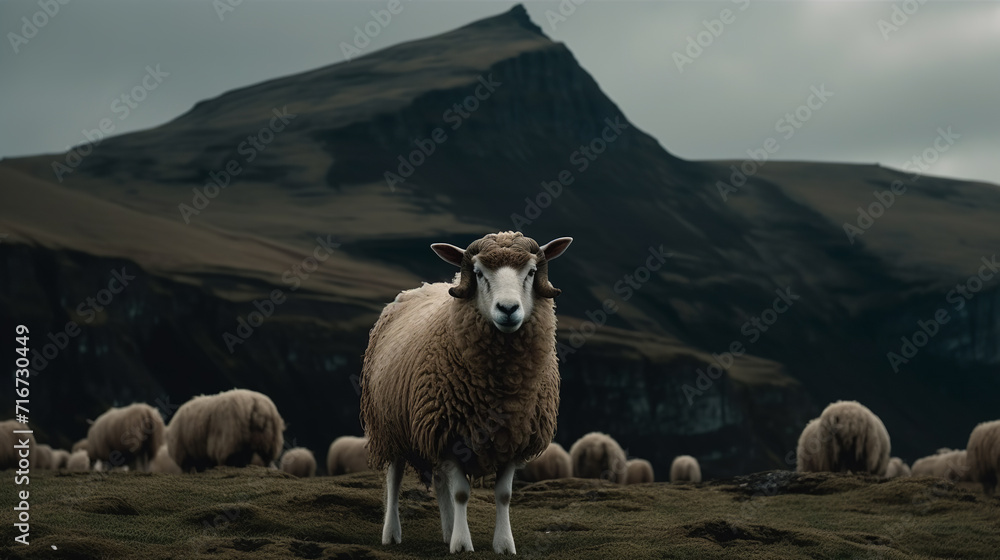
(258, 513)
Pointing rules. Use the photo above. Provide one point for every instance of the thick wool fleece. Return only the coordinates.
(299, 462)
(811, 455)
(440, 381)
(983, 455)
(347, 454)
(598, 455)
(553, 463)
(640, 471)
(949, 464)
(897, 468)
(133, 434)
(685, 468)
(855, 439)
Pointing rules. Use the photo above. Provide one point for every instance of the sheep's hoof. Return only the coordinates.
(392, 535)
(504, 546)
(461, 545)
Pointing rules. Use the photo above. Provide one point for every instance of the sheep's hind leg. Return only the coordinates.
(391, 530)
(503, 538)
(443, 492)
(458, 485)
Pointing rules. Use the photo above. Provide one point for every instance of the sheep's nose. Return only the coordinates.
(508, 309)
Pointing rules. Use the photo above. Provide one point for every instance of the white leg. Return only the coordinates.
(391, 530)
(458, 485)
(503, 538)
(447, 508)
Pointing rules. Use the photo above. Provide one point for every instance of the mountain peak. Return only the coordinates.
(516, 15)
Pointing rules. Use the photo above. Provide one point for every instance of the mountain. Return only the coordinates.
(490, 127)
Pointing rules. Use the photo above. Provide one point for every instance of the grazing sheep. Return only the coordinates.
(847, 437)
(810, 455)
(948, 464)
(983, 458)
(598, 455)
(163, 463)
(129, 435)
(59, 459)
(553, 463)
(43, 456)
(896, 468)
(10, 456)
(299, 462)
(462, 380)
(225, 429)
(639, 471)
(79, 461)
(82, 444)
(347, 455)
(685, 468)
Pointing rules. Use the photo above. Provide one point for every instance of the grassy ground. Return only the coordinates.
(257, 513)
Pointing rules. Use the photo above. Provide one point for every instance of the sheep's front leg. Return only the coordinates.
(503, 538)
(443, 492)
(458, 486)
(391, 530)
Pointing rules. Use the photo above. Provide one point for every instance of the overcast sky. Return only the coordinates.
(894, 84)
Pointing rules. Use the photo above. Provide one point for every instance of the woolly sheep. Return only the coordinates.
(299, 462)
(347, 454)
(225, 429)
(10, 457)
(82, 444)
(462, 380)
(897, 468)
(129, 435)
(79, 461)
(847, 437)
(983, 455)
(685, 468)
(598, 455)
(639, 471)
(163, 463)
(43, 456)
(947, 464)
(59, 459)
(553, 463)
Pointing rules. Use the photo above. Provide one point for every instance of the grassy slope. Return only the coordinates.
(239, 513)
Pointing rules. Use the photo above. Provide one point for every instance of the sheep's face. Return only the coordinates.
(505, 295)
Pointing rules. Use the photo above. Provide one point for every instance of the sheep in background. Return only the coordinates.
(639, 471)
(9, 456)
(462, 380)
(553, 463)
(983, 455)
(685, 468)
(949, 464)
(347, 454)
(225, 429)
(598, 455)
(847, 437)
(896, 468)
(59, 459)
(79, 461)
(81, 444)
(129, 435)
(299, 462)
(810, 455)
(163, 463)
(43, 456)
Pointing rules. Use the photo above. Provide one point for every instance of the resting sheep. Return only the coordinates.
(11, 456)
(347, 454)
(553, 463)
(948, 464)
(640, 471)
(897, 468)
(299, 462)
(598, 455)
(225, 429)
(129, 435)
(847, 437)
(462, 380)
(685, 468)
(79, 461)
(983, 458)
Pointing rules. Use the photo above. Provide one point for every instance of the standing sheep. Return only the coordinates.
(553, 463)
(685, 468)
(299, 462)
(949, 464)
(598, 455)
(79, 461)
(59, 459)
(10, 456)
(897, 468)
(810, 455)
(43, 456)
(163, 463)
(639, 471)
(129, 435)
(347, 455)
(462, 380)
(983, 458)
(225, 429)
(847, 437)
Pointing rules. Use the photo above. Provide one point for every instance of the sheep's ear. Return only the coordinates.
(449, 253)
(554, 248)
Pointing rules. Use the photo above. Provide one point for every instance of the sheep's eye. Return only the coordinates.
(479, 274)
(531, 273)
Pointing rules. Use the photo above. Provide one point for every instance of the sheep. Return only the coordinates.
(947, 463)
(12, 453)
(79, 461)
(225, 429)
(847, 437)
(897, 468)
(347, 454)
(553, 463)
(129, 435)
(59, 459)
(598, 455)
(983, 458)
(462, 380)
(163, 463)
(639, 471)
(43, 456)
(81, 444)
(299, 462)
(685, 468)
